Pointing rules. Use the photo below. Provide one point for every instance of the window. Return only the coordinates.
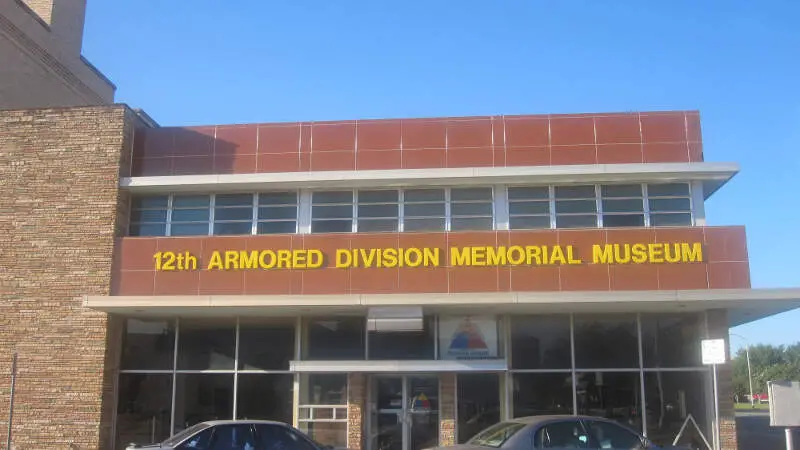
(566, 434)
(227, 437)
(478, 403)
(424, 210)
(575, 207)
(190, 215)
(606, 341)
(200, 441)
(529, 207)
(540, 342)
(148, 344)
(609, 435)
(149, 216)
(542, 393)
(233, 214)
(335, 338)
(497, 435)
(277, 212)
(378, 211)
(670, 204)
(332, 212)
(622, 205)
(280, 437)
(323, 407)
(471, 209)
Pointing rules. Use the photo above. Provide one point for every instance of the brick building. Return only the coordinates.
(385, 284)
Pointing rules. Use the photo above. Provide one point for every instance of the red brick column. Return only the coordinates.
(447, 409)
(356, 401)
(718, 329)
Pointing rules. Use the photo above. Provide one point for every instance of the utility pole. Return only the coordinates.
(749, 370)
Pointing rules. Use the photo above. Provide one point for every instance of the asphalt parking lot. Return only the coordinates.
(754, 433)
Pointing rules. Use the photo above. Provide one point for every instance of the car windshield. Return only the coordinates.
(496, 435)
(181, 436)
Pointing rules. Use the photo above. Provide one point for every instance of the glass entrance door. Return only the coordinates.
(404, 412)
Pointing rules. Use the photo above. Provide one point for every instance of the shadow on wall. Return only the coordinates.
(190, 151)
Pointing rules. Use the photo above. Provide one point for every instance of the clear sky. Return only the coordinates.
(190, 62)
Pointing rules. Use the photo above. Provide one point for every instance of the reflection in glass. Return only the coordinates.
(200, 397)
(613, 395)
(606, 341)
(324, 396)
(423, 404)
(670, 398)
(403, 345)
(478, 401)
(542, 393)
(326, 433)
(144, 408)
(540, 342)
(206, 344)
(148, 344)
(265, 345)
(671, 340)
(336, 338)
(265, 397)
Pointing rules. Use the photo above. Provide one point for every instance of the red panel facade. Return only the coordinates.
(496, 141)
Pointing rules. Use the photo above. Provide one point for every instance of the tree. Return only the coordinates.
(768, 363)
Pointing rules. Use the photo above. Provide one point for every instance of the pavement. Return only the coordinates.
(755, 433)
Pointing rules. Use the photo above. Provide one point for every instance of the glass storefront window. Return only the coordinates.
(606, 341)
(256, 354)
(265, 397)
(542, 393)
(144, 408)
(403, 345)
(540, 342)
(335, 338)
(614, 395)
(202, 396)
(478, 401)
(671, 340)
(670, 398)
(208, 344)
(148, 344)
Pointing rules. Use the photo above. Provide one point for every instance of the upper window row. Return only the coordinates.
(426, 209)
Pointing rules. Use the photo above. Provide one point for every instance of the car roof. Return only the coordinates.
(242, 421)
(532, 420)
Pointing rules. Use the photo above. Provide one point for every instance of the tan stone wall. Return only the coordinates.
(356, 402)
(42, 8)
(718, 328)
(447, 409)
(58, 216)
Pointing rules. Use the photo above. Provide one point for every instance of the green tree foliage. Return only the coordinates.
(768, 363)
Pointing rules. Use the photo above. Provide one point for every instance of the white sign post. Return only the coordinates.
(713, 351)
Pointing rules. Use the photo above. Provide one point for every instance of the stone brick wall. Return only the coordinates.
(356, 403)
(59, 175)
(718, 328)
(447, 409)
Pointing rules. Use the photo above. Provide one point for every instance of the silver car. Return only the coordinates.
(237, 435)
(557, 433)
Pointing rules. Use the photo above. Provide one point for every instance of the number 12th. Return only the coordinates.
(168, 261)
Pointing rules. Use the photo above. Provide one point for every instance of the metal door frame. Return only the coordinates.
(404, 412)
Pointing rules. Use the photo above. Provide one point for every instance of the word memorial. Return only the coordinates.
(480, 256)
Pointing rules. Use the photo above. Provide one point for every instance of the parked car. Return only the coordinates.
(239, 435)
(559, 432)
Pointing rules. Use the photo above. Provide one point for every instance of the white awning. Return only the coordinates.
(400, 366)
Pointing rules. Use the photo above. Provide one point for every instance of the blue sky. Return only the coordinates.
(190, 62)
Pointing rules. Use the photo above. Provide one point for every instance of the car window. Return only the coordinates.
(182, 435)
(199, 441)
(612, 436)
(233, 437)
(276, 437)
(496, 435)
(565, 434)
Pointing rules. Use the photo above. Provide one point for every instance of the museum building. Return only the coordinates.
(382, 284)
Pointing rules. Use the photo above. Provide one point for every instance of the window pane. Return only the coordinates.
(623, 220)
(233, 200)
(529, 208)
(332, 226)
(190, 201)
(323, 389)
(664, 220)
(621, 190)
(471, 209)
(265, 397)
(576, 221)
(462, 194)
(190, 215)
(613, 395)
(149, 215)
(159, 201)
(148, 344)
(424, 210)
(606, 341)
(540, 342)
(277, 227)
(332, 212)
(526, 193)
(574, 192)
(206, 344)
(576, 206)
(403, 345)
(233, 213)
(255, 355)
(423, 224)
(138, 229)
(335, 338)
(670, 204)
(529, 222)
(332, 197)
(277, 212)
(144, 408)
(667, 190)
(389, 210)
(377, 196)
(376, 225)
(478, 402)
(475, 223)
(424, 195)
(231, 436)
(273, 437)
(189, 229)
(631, 205)
(611, 435)
(201, 396)
(277, 198)
(670, 398)
(233, 228)
(671, 340)
(542, 393)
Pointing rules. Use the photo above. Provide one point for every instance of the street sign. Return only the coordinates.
(713, 351)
